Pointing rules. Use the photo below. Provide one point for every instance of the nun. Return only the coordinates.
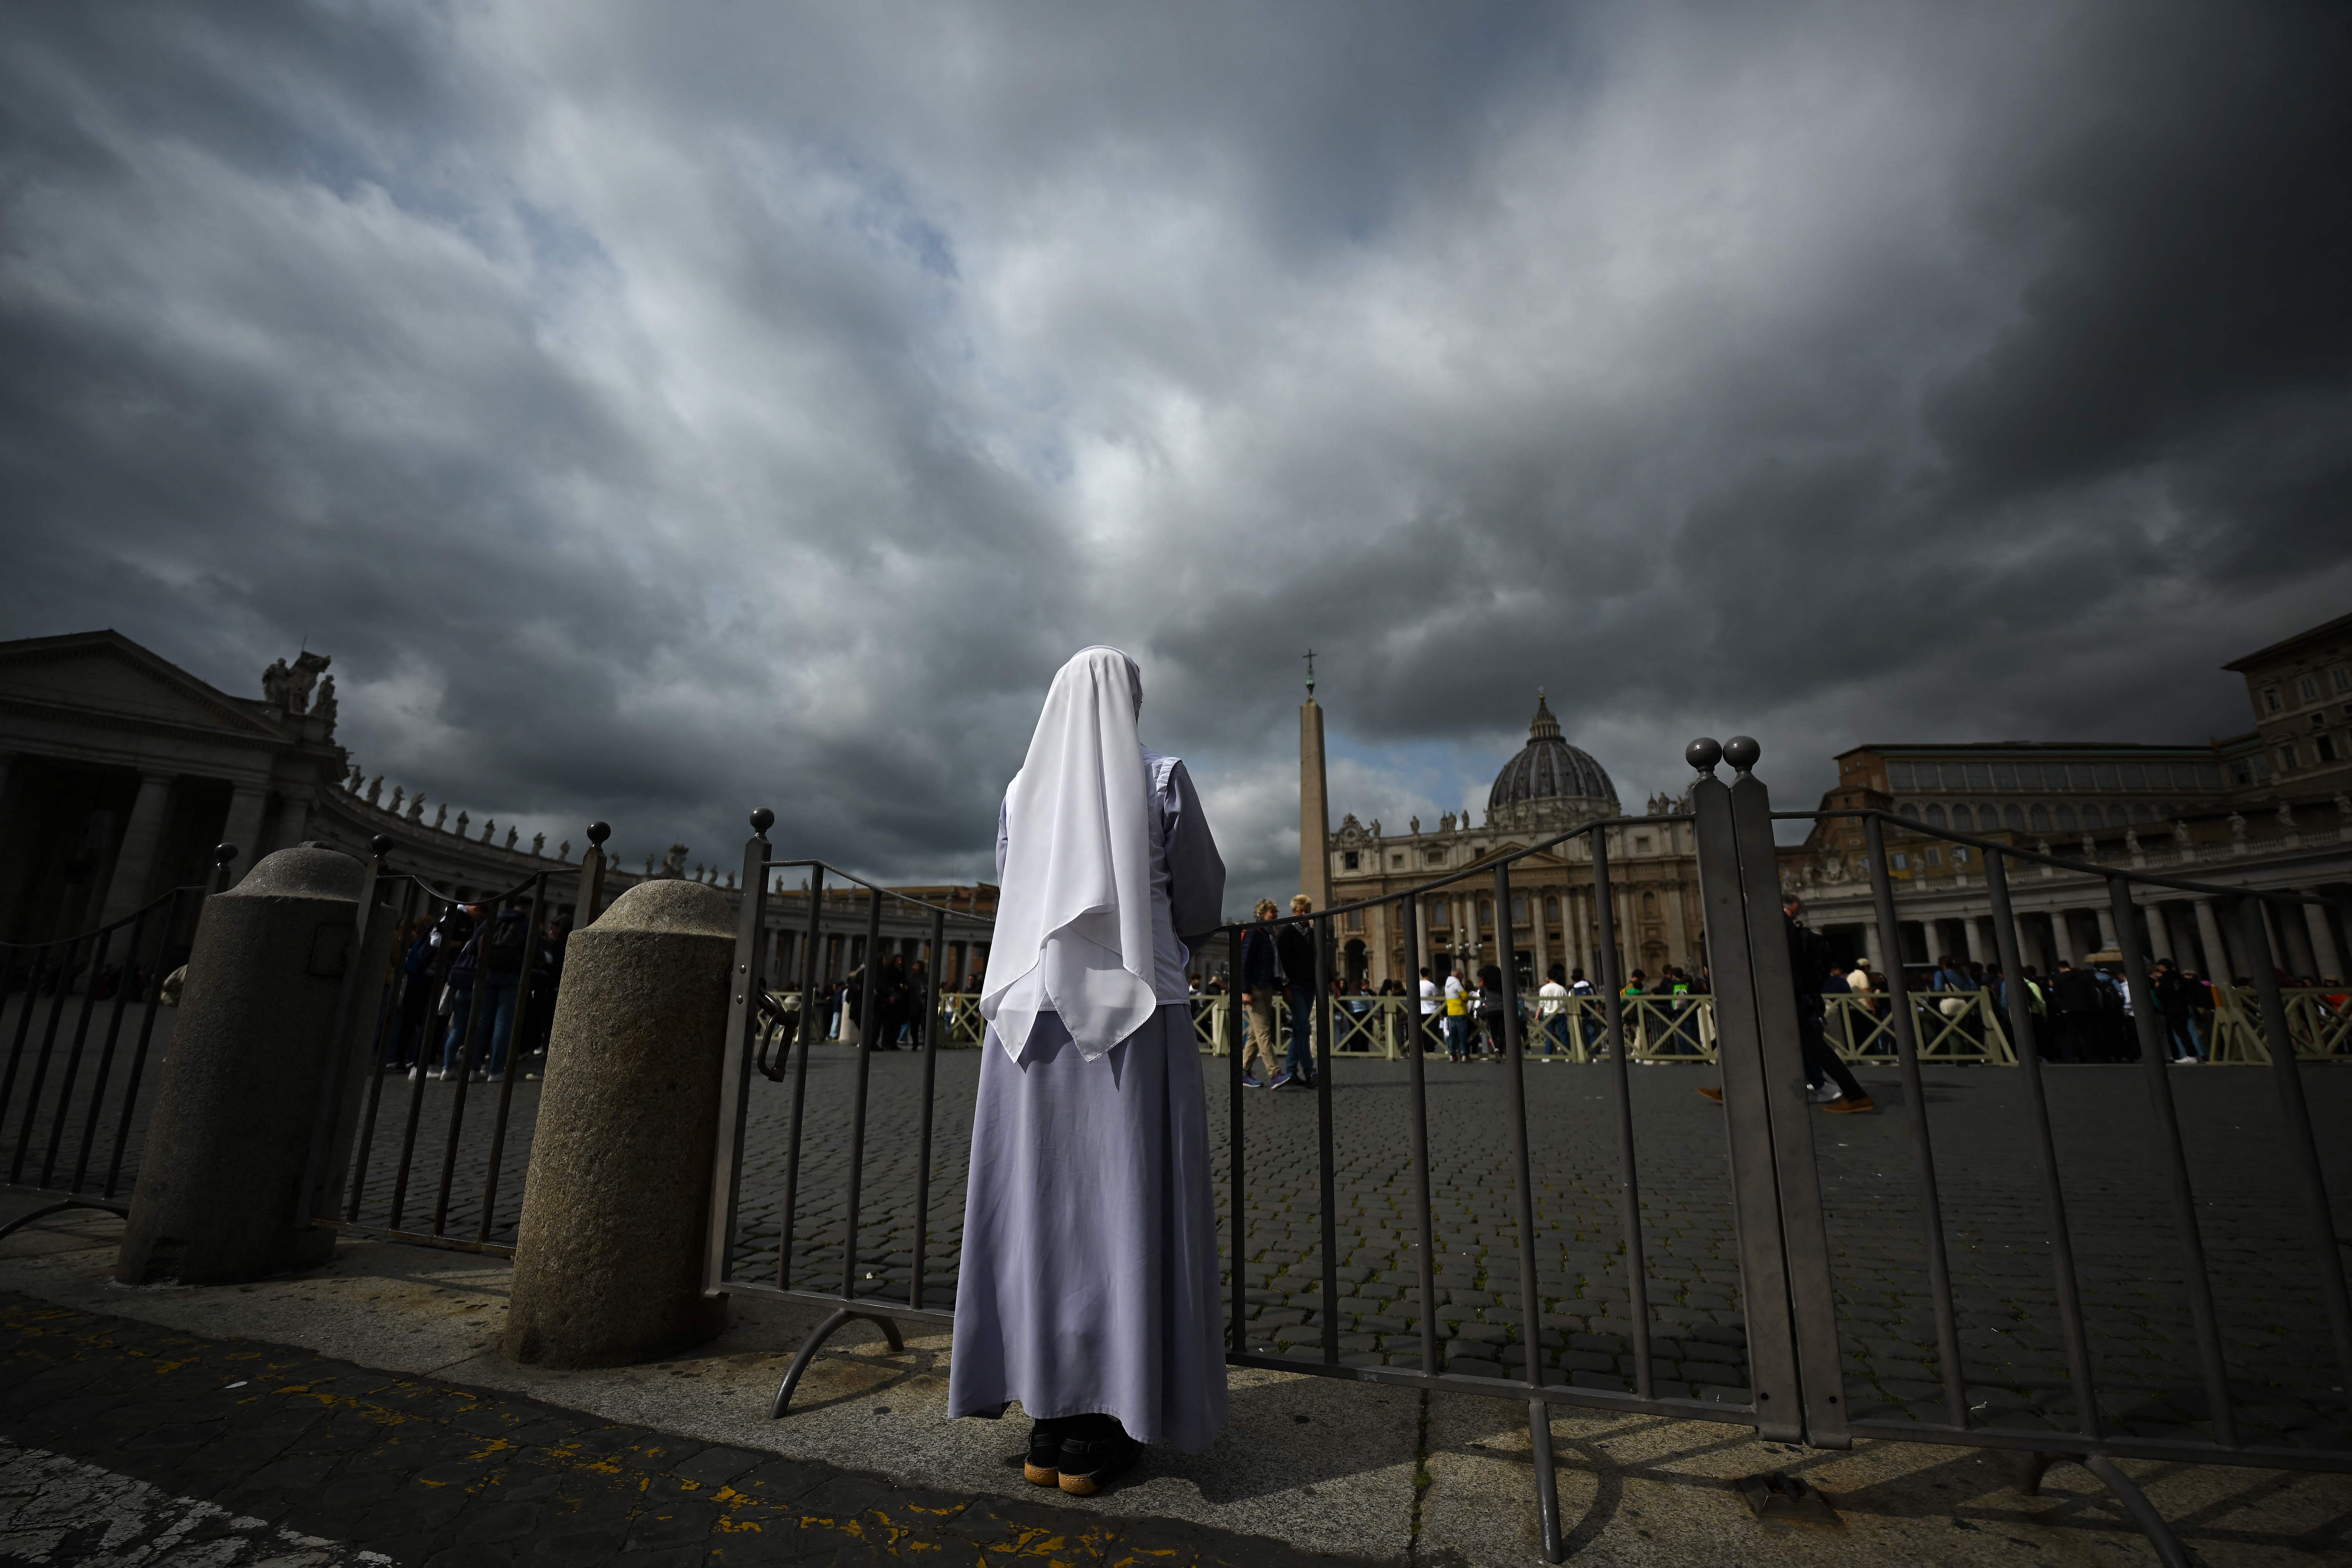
(1088, 1287)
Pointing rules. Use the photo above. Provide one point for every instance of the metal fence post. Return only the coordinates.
(746, 978)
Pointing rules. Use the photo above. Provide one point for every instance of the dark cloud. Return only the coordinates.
(656, 411)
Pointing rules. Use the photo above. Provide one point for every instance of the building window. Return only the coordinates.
(2014, 818)
(1902, 861)
(1909, 810)
(2287, 761)
(2308, 688)
(1641, 844)
(1979, 775)
(1898, 775)
(2134, 776)
(2143, 812)
(2209, 775)
(2326, 747)
(1551, 912)
(2066, 823)
(1436, 853)
(2270, 700)
(1964, 819)
(2079, 775)
(1396, 858)
(2319, 721)
(2341, 676)
(1355, 920)
(1649, 905)
(1960, 854)
(2041, 819)
(2004, 775)
(1935, 857)
(1518, 908)
(2108, 779)
(1936, 818)
(1351, 859)
(2240, 774)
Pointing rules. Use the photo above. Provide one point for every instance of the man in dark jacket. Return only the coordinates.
(1809, 966)
(2074, 1004)
(1260, 978)
(1490, 1010)
(1293, 947)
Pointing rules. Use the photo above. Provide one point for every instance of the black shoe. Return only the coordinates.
(1090, 1463)
(1043, 1465)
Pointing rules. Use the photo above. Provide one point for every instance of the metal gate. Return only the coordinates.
(1797, 1375)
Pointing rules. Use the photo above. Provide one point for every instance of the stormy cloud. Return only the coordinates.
(657, 412)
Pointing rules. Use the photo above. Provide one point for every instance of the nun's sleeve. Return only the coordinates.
(1000, 836)
(1196, 873)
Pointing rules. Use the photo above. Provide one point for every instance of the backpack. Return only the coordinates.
(503, 944)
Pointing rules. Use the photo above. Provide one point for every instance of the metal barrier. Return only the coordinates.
(403, 1040)
(1765, 1041)
(111, 1112)
(748, 1045)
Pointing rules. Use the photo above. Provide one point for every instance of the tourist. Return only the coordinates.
(1089, 1286)
(2074, 999)
(1429, 1010)
(1457, 1018)
(501, 950)
(1808, 959)
(1293, 946)
(2174, 1007)
(1586, 1024)
(1552, 1010)
(1261, 978)
(1491, 1021)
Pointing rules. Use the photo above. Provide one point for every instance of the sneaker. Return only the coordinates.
(1824, 1094)
(1250, 1080)
(1855, 1107)
(1280, 1079)
(414, 1073)
(1292, 1081)
(1041, 1467)
(1088, 1464)
(1714, 1094)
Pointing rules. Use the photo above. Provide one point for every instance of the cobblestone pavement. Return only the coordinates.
(129, 1442)
(2127, 1247)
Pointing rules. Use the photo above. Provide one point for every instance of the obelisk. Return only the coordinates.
(1314, 800)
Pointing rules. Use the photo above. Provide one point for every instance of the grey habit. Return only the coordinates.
(1089, 1276)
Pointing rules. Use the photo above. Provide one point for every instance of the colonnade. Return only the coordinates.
(1562, 924)
(2194, 933)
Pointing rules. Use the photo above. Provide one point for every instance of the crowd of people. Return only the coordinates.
(473, 955)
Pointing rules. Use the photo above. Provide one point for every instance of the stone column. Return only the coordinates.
(608, 1263)
(219, 1196)
(2159, 934)
(1535, 897)
(293, 821)
(134, 862)
(2106, 917)
(1376, 933)
(1872, 946)
(2293, 943)
(2323, 939)
(1314, 807)
(1972, 940)
(2217, 965)
(243, 827)
(1421, 935)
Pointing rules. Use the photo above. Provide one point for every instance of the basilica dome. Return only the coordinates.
(1551, 784)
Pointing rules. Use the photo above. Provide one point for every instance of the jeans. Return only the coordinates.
(1556, 1035)
(2183, 1029)
(1822, 1062)
(498, 996)
(1302, 1031)
(1457, 1035)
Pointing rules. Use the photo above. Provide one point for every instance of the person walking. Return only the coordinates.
(1088, 1287)
(1491, 1021)
(1429, 1011)
(1551, 1010)
(2074, 1003)
(1261, 978)
(1808, 964)
(1293, 946)
(503, 947)
(1457, 1017)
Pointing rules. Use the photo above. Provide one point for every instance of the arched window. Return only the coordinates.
(1518, 908)
(1650, 903)
(2141, 813)
(1963, 818)
(2066, 819)
(1486, 913)
(2013, 817)
(1909, 810)
(2041, 819)
(2115, 817)
(1988, 817)
(1551, 912)
(1936, 817)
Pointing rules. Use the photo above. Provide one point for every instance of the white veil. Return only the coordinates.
(1073, 915)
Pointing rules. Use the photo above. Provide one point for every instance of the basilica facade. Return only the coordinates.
(1548, 788)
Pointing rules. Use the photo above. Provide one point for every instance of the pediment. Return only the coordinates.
(104, 672)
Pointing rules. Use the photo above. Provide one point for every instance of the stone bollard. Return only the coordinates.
(608, 1264)
(218, 1199)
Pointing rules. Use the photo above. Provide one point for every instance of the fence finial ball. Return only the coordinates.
(762, 819)
(598, 832)
(1702, 754)
(1741, 753)
(381, 844)
(224, 853)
